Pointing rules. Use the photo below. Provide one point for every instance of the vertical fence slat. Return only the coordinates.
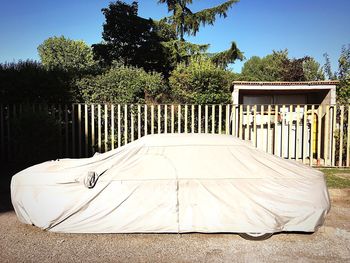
(341, 134)
(186, 118)
(172, 118)
(86, 130)
(206, 119)
(106, 127)
(159, 124)
(262, 110)
(326, 136)
(199, 119)
(146, 120)
(213, 119)
(73, 130)
(312, 136)
(246, 133)
(192, 118)
(132, 122)
(254, 127)
(269, 142)
(152, 119)
(233, 112)
(179, 119)
(93, 128)
(99, 133)
(125, 124)
(275, 129)
(319, 126)
(138, 121)
(283, 114)
(334, 126)
(112, 127)
(119, 126)
(304, 134)
(297, 134)
(348, 139)
(290, 139)
(220, 118)
(165, 119)
(79, 130)
(227, 119)
(240, 131)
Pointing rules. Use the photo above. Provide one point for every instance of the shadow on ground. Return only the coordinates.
(6, 173)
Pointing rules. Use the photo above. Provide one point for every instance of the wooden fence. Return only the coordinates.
(316, 135)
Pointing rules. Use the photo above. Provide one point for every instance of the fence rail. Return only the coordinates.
(317, 135)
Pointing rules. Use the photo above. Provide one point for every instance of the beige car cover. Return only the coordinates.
(173, 183)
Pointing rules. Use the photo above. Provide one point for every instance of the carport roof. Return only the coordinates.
(285, 83)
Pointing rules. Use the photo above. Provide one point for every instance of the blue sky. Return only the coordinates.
(304, 27)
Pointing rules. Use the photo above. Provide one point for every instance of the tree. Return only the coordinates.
(312, 70)
(343, 91)
(187, 22)
(184, 21)
(131, 39)
(279, 67)
(65, 54)
(200, 82)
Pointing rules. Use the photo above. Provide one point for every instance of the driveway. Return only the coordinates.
(23, 243)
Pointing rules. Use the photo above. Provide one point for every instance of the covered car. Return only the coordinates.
(173, 183)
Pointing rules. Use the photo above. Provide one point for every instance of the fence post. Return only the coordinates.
(86, 129)
(99, 136)
(119, 126)
(112, 127)
(348, 139)
(227, 119)
(326, 137)
(213, 119)
(334, 120)
(199, 119)
(341, 134)
(125, 124)
(138, 121)
(179, 118)
(146, 120)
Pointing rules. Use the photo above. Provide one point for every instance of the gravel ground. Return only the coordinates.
(24, 243)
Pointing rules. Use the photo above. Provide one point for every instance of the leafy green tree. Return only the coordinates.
(279, 67)
(312, 70)
(122, 84)
(343, 91)
(328, 68)
(200, 82)
(131, 39)
(187, 22)
(66, 54)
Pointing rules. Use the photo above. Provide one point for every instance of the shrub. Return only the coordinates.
(34, 138)
(200, 82)
(122, 84)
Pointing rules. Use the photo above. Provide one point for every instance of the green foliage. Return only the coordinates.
(66, 54)
(200, 82)
(187, 22)
(343, 90)
(312, 70)
(122, 84)
(34, 137)
(222, 59)
(131, 39)
(279, 67)
(29, 81)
